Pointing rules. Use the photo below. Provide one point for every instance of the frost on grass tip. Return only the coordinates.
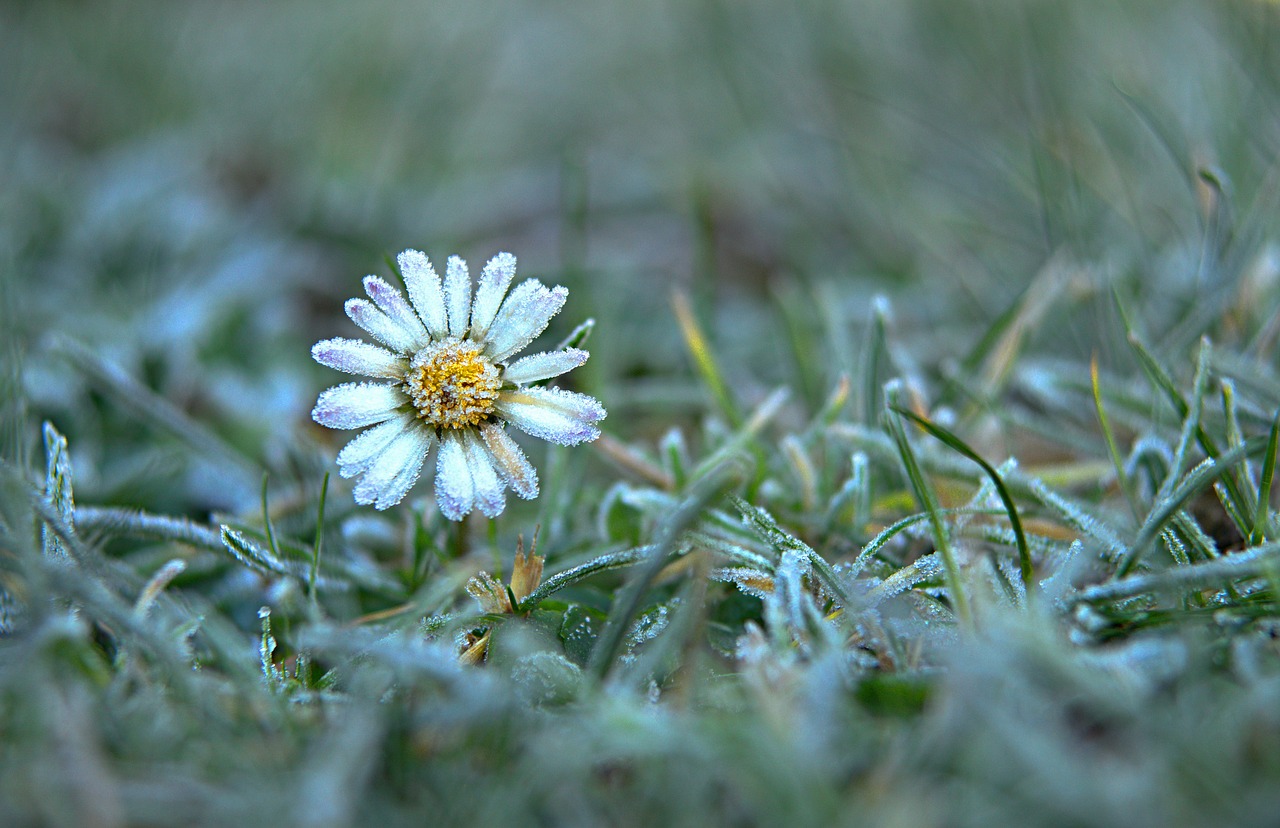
(444, 377)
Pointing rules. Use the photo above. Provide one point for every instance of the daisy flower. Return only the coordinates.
(448, 381)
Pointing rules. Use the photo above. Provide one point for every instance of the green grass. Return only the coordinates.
(939, 343)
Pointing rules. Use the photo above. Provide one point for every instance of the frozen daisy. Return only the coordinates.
(448, 380)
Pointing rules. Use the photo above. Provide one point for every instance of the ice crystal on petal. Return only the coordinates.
(494, 282)
(488, 487)
(457, 296)
(455, 491)
(425, 291)
(545, 365)
(511, 463)
(444, 360)
(394, 470)
(556, 416)
(357, 455)
(354, 356)
(525, 314)
(380, 326)
(356, 404)
(390, 302)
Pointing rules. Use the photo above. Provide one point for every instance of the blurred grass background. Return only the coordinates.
(189, 191)
(192, 189)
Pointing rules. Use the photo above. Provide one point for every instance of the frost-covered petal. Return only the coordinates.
(543, 366)
(579, 406)
(425, 292)
(510, 461)
(457, 296)
(354, 356)
(488, 486)
(380, 326)
(523, 316)
(400, 485)
(395, 470)
(357, 455)
(357, 404)
(494, 281)
(391, 302)
(455, 490)
(555, 415)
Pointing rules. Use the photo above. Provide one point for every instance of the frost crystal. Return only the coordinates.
(57, 490)
(754, 582)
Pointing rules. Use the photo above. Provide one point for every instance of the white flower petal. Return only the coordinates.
(543, 366)
(357, 404)
(488, 487)
(514, 467)
(457, 296)
(494, 281)
(380, 326)
(400, 485)
(580, 406)
(523, 316)
(395, 470)
(455, 491)
(423, 284)
(356, 357)
(391, 302)
(359, 454)
(553, 414)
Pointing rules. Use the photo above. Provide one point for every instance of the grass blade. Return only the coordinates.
(703, 358)
(890, 532)
(315, 553)
(266, 520)
(577, 337)
(929, 503)
(1122, 479)
(1161, 380)
(956, 444)
(1262, 515)
(873, 350)
(1190, 423)
(1254, 563)
(627, 605)
(1203, 475)
(782, 541)
(57, 489)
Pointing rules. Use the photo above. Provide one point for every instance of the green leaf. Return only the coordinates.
(578, 337)
(579, 631)
(929, 502)
(1261, 516)
(956, 444)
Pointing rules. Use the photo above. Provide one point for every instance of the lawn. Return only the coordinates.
(920, 473)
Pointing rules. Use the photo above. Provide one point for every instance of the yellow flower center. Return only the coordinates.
(452, 384)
